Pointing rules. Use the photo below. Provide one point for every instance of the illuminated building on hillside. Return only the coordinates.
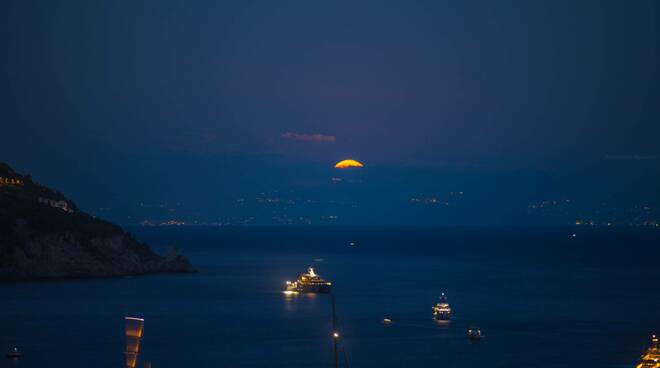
(10, 181)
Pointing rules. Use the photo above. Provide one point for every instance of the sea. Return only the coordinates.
(543, 297)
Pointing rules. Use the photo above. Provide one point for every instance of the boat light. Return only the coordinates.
(335, 335)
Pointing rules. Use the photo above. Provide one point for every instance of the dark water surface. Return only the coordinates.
(542, 298)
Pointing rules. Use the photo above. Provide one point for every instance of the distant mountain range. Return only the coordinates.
(43, 235)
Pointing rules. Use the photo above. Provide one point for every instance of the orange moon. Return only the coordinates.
(348, 163)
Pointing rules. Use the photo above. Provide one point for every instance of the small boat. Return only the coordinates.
(387, 321)
(442, 310)
(14, 353)
(474, 333)
(308, 282)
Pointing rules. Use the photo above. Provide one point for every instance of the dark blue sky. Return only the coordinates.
(130, 86)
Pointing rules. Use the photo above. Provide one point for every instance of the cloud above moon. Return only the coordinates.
(316, 138)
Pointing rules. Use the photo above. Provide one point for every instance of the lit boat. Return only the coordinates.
(442, 310)
(474, 333)
(308, 282)
(651, 357)
(14, 353)
(387, 321)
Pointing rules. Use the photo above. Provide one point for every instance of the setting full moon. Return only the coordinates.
(348, 163)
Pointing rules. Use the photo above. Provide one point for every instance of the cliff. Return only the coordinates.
(43, 235)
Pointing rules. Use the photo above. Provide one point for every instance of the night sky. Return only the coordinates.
(207, 101)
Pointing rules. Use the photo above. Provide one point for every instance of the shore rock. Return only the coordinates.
(43, 235)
